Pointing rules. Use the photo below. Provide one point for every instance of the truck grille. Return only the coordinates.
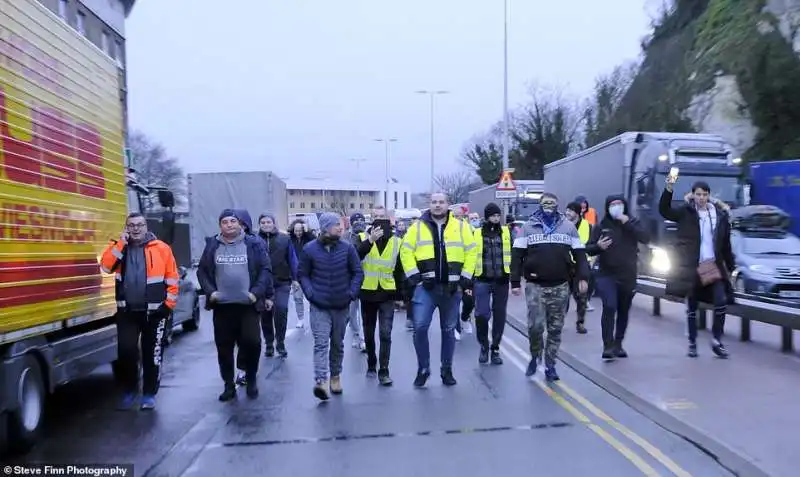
(788, 272)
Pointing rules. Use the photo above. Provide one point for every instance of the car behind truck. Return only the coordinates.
(64, 192)
(635, 165)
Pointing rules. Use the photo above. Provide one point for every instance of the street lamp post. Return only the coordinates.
(358, 162)
(505, 85)
(386, 142)
(432, 94)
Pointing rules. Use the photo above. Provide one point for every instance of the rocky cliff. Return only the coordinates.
(730, 67)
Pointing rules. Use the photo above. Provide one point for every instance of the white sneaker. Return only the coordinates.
(589, 307)
(300, 324)
(466, 327)
(458, 335)
(358, 343)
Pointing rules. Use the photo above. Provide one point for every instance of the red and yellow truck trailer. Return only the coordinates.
(64, 192)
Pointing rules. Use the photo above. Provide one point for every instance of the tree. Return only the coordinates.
(485, 155)
(546, 129)
(456, 186)
(155, 167)
(601, 116)
(336, 201)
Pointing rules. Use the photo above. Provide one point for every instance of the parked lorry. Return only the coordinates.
(525, 202)
(212, 192)
(64, 192)
(636, 164)
(777, 183)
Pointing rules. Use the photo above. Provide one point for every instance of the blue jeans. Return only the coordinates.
(424, 303)
(491, 300)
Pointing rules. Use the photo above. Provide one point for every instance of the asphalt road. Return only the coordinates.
(494, 422)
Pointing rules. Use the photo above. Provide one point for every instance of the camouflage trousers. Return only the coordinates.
(546, 308)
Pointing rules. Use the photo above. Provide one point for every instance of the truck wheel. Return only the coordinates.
(193, 323)
(24, 424)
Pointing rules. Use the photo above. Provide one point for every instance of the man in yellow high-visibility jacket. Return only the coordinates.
(438, 256)
(492, 270)
(379, 251)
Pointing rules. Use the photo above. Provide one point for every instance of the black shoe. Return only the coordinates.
(531, 367)
(496, 359)
(581, 329)
(692, 352)
(619, 351)
(422, 378)
(550, 374)
(483, 357)
(719, 349)
(383, 377)
(281, 348)
(252, 388)
(228, 394)
(447, 377)
(609, 352)
(270, 352)
(371, 373)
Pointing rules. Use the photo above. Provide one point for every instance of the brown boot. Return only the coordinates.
(321, 389)
(336, 384)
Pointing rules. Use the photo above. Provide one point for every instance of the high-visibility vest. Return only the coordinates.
(418, 255)
(379, 267)
(506, 236)
(584, 230)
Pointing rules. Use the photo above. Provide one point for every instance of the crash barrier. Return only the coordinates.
(747, 307)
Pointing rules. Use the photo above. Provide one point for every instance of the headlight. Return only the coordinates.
(761, 269)
(659, 260)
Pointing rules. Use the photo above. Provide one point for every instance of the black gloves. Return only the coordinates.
(163, 311)
(465, 283)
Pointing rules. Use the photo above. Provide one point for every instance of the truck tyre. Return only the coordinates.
(25, 423)
(193, 323)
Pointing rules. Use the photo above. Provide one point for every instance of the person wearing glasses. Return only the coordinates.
(146, 293)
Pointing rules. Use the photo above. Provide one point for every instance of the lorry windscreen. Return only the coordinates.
(526, 207)
(726, 189)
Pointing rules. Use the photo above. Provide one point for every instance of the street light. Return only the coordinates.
(386, 141)
(358, 162)
(432, 94)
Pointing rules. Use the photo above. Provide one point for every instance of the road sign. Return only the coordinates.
(506, 182)
(505, 194)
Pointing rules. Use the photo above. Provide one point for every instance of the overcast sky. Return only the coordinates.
(300, 87)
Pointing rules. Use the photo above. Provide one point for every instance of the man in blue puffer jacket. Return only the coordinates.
(330, 275)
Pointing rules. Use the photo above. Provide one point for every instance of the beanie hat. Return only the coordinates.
(244, 218)
(357, 217)
(328, 220)
(228, 213)
(491, 209)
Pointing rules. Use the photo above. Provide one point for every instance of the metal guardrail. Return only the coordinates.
(748, 307)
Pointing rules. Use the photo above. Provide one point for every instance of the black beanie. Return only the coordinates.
(228, 213)
(575, 207)
(491, 209)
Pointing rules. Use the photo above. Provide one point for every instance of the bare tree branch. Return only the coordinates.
(457, 185)
(156, 168)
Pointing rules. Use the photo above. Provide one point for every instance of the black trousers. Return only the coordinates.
(133, 327)
(237, 325)
(617, 299)
(380, 315)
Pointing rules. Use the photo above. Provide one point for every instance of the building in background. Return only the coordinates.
(309, 195)
(102, 22)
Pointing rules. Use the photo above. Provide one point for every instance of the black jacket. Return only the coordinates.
(380, 295)
(284, 265)
(620, 259)
(683, 280)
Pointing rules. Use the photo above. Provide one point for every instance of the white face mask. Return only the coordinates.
(616, 210)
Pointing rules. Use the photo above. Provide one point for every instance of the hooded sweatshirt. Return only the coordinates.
(135, 280)
(620, 259)
(232, 273)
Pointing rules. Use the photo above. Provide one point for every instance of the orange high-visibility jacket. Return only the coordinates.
(162, 273)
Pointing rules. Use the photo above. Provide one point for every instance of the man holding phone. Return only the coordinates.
(383, 272)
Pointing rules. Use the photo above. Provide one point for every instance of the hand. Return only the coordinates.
(604, 243)
(124, 236)
(623, 218)
(429, 283)
(375, 234)
(583, 287)
(468, 292)
(516, 291)
(252, 297)
(214, 296)
(268, 304)
(671, 180)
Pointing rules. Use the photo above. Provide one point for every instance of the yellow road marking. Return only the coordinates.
(626, 452)
(638, 440)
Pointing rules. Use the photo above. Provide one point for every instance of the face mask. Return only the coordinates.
(616, 210)
(359, 226)
(549, 208)
(475, 223)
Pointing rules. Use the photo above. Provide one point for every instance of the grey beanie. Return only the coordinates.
(328, 220)
(268, 215)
